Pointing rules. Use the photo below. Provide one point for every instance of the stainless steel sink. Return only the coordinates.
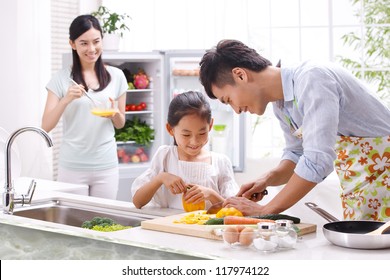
(74, 213)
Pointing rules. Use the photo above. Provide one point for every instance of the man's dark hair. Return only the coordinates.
(217, 63)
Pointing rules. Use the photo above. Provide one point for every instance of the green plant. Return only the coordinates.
(374, 44)
(111, 22)
(135, 130)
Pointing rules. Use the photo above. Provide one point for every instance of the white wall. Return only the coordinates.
(25, 68)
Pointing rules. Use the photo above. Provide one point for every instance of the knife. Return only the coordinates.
(213, 209)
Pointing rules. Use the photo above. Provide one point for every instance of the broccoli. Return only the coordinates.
(87, 224)
(113, 227)
(107, 221)
(103, 224)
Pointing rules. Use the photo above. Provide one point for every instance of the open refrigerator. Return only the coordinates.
(170, 73)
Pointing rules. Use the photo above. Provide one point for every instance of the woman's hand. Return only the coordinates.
(118, 118)
(74, 92)
(115, 110)
(245, 206)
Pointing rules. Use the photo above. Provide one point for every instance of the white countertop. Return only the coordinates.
(310, 247)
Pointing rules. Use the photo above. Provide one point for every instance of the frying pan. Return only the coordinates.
(352, 234)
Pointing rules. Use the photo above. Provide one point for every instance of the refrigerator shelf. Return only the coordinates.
(128, 142)
(139, 90)
(138, 112)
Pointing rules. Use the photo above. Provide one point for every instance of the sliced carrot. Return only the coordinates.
(237, 220)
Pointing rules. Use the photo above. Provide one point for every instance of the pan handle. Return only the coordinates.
(327, 216)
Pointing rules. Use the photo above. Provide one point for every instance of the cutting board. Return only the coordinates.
(166, 224)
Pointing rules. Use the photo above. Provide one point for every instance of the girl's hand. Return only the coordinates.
(196, 194)
(174, 183)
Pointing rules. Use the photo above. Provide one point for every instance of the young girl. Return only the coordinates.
(186, 168)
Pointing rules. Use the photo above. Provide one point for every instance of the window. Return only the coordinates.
(290, 30)
(297, 30)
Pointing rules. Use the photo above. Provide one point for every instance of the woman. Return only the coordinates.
(88, 150)
(326, 115)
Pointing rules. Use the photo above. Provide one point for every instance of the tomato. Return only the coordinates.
(127, 108)
(139, 108)
(143, 105)
(133, 107)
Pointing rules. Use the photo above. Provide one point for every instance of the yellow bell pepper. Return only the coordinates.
(194, 218)
(189, 207)
(228, 211)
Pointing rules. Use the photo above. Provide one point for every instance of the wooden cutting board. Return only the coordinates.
(166, 224)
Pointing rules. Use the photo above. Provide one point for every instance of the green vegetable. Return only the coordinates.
(214, 221)
(296, 220)
(87, 224)
(275, 217)
(108, 228)
(103, 224)
(97, 221)
(135, 130)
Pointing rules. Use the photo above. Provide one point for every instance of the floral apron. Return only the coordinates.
(363, 167)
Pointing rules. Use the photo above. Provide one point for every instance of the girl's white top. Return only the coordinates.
(218, 176)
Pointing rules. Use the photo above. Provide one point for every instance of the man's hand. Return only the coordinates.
(246, 206)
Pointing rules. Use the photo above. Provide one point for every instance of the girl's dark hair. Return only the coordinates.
(188, 103)
(79, 26)
(217, 64)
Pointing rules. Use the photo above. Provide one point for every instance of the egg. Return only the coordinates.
(246, 236)
(240, 228)
(231, 235)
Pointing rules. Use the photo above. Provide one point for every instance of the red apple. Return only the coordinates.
(139, 151)
(125, 158)
(121, 153)
(143, 157)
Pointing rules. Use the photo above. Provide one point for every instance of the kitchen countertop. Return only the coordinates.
(23, 238)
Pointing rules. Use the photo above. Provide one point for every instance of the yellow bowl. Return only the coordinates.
(103, 112)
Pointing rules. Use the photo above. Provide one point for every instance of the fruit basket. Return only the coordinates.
(129, 153)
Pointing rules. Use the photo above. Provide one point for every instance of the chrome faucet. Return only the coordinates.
(9, 198)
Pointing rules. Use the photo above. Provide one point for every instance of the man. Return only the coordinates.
(328, 117)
